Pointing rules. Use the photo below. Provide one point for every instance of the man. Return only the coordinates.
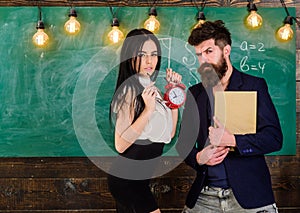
(232, 174)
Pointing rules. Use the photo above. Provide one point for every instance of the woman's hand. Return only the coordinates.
(149, 95)
(172, 76)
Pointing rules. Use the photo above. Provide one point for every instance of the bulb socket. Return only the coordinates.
(200, 16)
(115, 22)
(152, 11)
(40, 25)
(251, 7)
(288, 20)
(72, 12)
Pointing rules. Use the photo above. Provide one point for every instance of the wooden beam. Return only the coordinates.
(142, 3)
(100, 3)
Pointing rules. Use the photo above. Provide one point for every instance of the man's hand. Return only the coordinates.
(212, 155)
(220, 136)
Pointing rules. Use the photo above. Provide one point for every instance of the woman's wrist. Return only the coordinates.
(147, 112)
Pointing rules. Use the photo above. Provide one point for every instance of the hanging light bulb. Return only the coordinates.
(152, 24)
(201, 19)
(253, 21)
(115, 35)
(72, 26)
(40, 38)
(285, 33)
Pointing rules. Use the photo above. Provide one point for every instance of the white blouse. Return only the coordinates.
(159, 126)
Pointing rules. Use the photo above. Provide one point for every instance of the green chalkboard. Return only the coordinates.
(55, 101)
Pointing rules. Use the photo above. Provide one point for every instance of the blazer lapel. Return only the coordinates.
(235, 81)
(204, 110)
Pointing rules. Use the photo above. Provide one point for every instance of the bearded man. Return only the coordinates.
(232, 174)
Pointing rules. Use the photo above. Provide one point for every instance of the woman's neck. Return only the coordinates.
(144, 80)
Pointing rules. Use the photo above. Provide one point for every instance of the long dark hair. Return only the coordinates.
(128, 81)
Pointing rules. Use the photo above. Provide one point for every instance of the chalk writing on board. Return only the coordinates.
(185, 60)
(193, 65)
(245, 64)
(166, 43)
(177, 50)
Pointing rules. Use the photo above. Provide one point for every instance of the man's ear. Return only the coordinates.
(227, 50)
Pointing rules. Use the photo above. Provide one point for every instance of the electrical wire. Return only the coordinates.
(296, 19)
(40, 13)
(202, 5)
(113, 14)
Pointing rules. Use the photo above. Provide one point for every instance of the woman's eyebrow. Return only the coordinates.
(141, 51)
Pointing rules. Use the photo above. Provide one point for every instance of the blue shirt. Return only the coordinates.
(217, 176)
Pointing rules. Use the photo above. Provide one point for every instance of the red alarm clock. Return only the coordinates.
(175, 95)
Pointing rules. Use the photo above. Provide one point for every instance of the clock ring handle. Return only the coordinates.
(172, 76)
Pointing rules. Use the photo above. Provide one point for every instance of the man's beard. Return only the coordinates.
(211, 74)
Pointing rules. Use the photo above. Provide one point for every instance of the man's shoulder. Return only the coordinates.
(248, 76)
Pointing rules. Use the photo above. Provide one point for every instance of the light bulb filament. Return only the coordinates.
(115, 35)
(285, 33)
(152, 24)
(40, 38)
(72, 26)
(254, 20)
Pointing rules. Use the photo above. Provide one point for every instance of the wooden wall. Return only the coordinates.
(77, 185)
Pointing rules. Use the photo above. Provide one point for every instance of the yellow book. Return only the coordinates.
(236, 110)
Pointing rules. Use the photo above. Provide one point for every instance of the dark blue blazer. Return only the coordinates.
(246, 168)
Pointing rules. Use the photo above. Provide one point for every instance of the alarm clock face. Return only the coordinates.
(177, 96)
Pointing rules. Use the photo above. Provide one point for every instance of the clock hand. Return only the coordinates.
(175, 96)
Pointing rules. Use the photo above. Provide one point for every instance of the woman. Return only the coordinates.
(143, 123)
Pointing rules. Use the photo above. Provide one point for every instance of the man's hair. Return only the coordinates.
(211, 30)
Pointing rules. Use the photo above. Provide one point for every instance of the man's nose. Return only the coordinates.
(202, 58)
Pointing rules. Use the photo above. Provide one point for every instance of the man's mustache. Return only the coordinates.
(208, 75)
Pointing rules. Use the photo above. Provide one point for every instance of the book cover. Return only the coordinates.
(236, 110)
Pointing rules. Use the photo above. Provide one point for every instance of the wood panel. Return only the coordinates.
(61, 184)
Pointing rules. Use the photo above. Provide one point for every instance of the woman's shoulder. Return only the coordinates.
(123, 99)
